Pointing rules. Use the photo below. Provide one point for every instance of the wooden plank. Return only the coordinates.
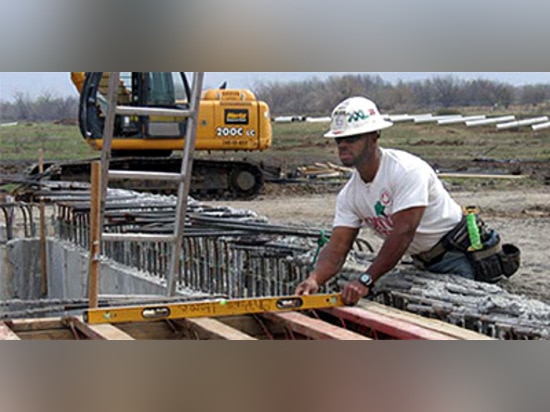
(95, 234)
(432, 324)
(6, 333)
(57, 334)
(31, 325)
(97, 332)
(41, 329)
(152, 331)
(212, 329)
(43, 251)
(312, 328)
(253, 326)
(395, 328)
(105, 332)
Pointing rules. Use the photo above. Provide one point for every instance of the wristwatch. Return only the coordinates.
(366, 280)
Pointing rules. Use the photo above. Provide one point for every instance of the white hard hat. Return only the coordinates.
(354, 116)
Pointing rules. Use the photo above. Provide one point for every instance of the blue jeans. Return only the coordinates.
(454, 263)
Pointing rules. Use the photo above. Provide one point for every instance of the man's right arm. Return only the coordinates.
(330, 261)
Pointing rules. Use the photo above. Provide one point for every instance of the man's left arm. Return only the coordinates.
(405, 224)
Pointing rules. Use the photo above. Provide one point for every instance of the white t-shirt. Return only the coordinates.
(403, 181)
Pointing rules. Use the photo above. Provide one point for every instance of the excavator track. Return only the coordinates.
(212, 179)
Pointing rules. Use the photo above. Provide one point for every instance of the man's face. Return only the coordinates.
(353, 149)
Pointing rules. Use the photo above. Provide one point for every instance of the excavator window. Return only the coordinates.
(144, 89)
(161, 89)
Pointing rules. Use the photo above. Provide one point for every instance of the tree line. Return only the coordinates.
(46, 107)
(318, 97)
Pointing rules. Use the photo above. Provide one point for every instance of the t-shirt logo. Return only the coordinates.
(380, 209)
(385, 198)
(382, 222)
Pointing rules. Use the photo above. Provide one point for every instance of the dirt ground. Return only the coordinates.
(522, 216)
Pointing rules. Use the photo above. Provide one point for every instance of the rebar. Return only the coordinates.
(18, 219)
(234, 253)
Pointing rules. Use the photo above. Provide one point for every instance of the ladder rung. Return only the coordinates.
(138, 237)
(148, 111)
(133, 175)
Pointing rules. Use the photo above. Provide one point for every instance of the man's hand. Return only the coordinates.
(354, 292)
(307, 287)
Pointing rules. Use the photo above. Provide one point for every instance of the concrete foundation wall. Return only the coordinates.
(68, 274)
(6, 275)
(20, 273)
(21, 277)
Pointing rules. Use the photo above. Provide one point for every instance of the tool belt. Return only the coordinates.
(491, 263)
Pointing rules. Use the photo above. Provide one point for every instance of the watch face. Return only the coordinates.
(366, 279)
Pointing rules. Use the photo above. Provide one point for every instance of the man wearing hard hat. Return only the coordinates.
(401, 198)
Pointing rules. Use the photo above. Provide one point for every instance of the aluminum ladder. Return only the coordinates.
(183, 179)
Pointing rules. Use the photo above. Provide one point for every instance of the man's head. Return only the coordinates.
(356, 127)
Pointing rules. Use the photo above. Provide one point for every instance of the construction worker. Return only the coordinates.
(399, 196)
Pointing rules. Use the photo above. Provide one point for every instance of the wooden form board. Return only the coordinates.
(395, 328)
(6, 333)
(97, 332)
(383, 320)
(312, 328)
(431, 324)
(212, 329)
(40, 329)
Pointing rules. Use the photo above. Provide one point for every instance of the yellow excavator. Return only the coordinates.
(229, 120)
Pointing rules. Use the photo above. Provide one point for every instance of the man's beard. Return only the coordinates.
(348, 161)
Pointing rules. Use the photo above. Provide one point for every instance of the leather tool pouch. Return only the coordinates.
(494, 260)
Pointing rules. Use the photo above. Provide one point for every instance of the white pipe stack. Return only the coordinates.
(493, 120)
(521, 123)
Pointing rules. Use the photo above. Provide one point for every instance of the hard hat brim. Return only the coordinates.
(364, 130)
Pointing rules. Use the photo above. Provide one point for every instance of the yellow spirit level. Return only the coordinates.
(211, 309)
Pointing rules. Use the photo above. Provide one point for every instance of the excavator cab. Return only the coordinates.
(229, 119)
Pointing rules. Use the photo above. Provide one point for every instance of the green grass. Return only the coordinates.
(429, 141)
(460, 142)
(59, 142)
(298, 144)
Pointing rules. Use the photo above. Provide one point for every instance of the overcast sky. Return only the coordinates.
(34, 84)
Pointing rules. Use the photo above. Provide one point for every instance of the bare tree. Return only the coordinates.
(47, 107)
(446, 90)
(22, 107)
(534, 95)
